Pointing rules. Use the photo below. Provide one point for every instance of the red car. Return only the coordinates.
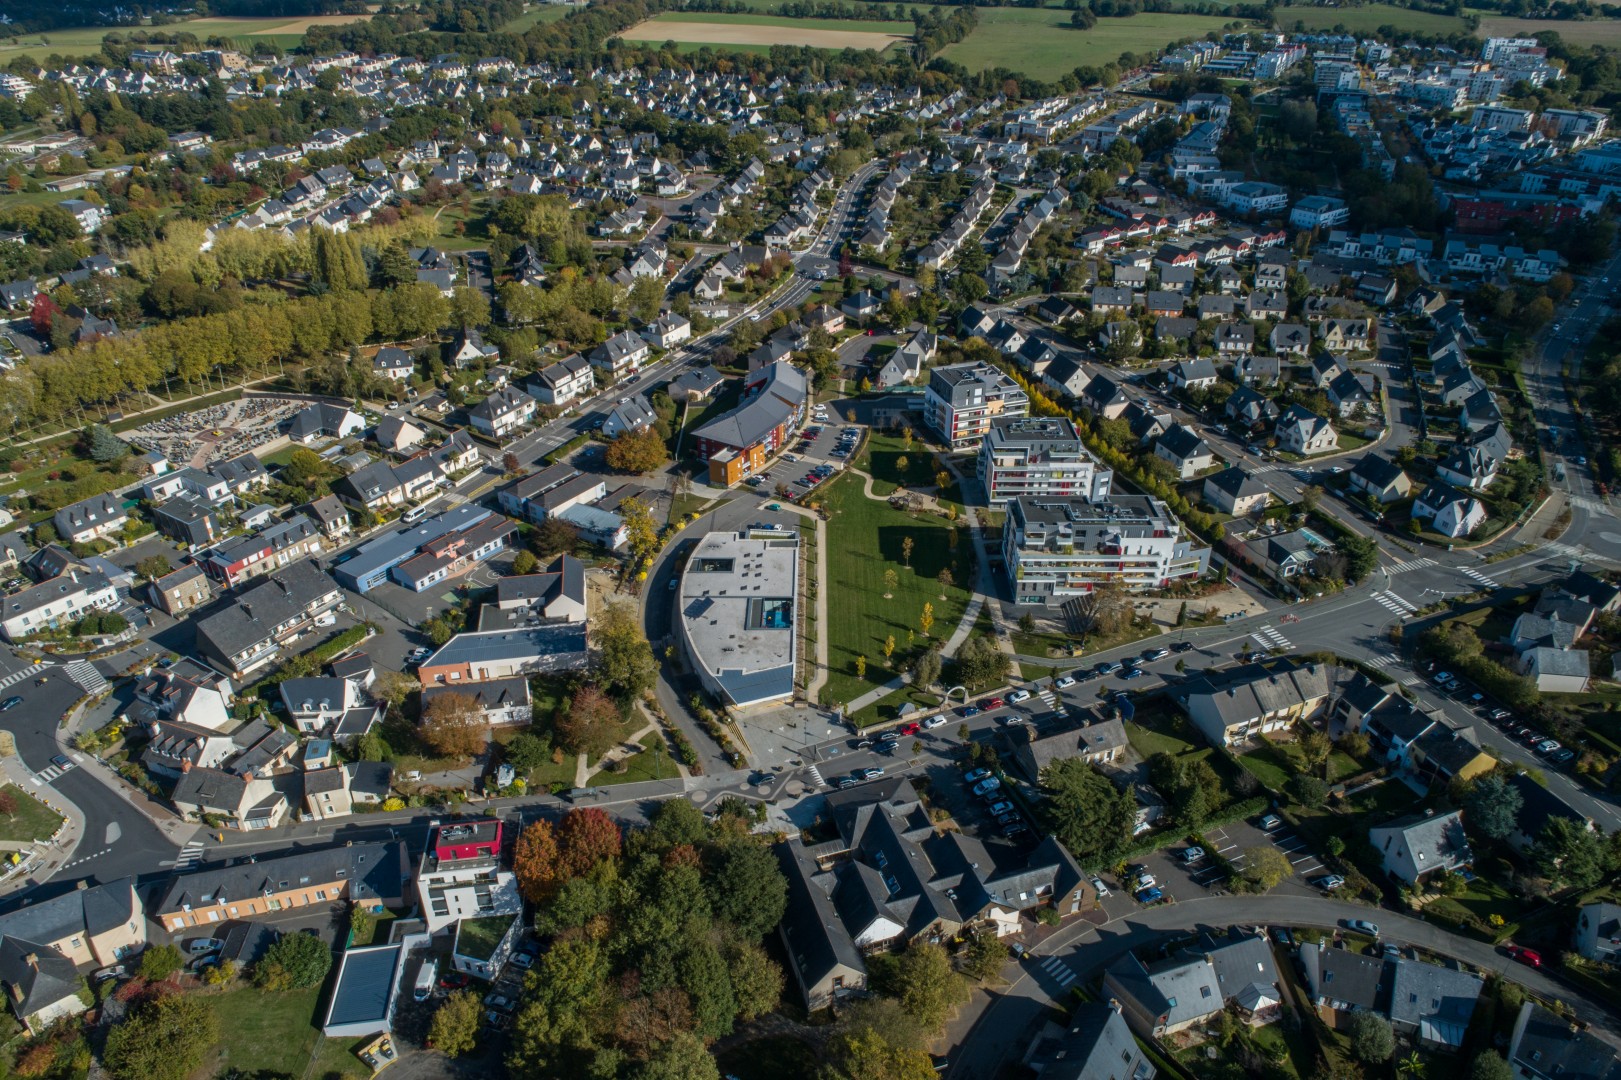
(992, 703)
(453, 980)
(1528, 957)
(911, 729)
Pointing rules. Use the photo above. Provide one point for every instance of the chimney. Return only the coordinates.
(185, 765)
(32, 960)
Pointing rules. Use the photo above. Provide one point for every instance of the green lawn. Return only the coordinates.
(479, 938)
(1587, 32)
(888, 707)
(33, 820)
(870, 536)
(1147, 742)
(854, 25)
(537, 15)
(1369, 17)
(653, 763)
(883, 459)
(265, 1034)
(1274, 763)
(1040, 41)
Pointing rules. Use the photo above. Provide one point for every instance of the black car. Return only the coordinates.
(1182, 646)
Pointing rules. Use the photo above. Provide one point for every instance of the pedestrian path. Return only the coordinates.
(1591, 505)
(26, 673)
(1272, 639)
(1396, 605)
(85, 674)
(1409, 564)
(1050, 699)
(1479, 578)
(1379, 663)
(190, 855)
(1058, 971)
(51, 772)
(815, 775)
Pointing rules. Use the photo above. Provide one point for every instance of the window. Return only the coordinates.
(1204, 991)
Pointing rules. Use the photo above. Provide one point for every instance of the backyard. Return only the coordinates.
(30, 820)
(1274, 763)
(872, 537)
(274, 1034)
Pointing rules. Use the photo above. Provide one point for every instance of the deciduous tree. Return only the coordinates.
(923, 981)
(746, 887)
(638, 452)
(534, 861)
(293, 962)
(1266, 867)
(585, 837)
(455, 1026)
(162, 1038)
(1372, 1039)
(454, 725)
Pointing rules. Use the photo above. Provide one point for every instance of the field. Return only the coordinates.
(1588, 32)
(86, 40)
(275, 1035)
(1041, 43)
(763, 31)
(537, 15)
(1361, 20)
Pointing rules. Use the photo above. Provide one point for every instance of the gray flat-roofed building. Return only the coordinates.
(498, 654)
(366, 992)
(370, 565)
(738, 622)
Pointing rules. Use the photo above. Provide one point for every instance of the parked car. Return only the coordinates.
(1108, 667)
(1101, 889)
(1012, 719)
(1182, 646)
(976, 776)
(968, 710)
(890, 736)
(1005, 820)
(1361, 926)
(1548, 746)
(1193, 854)
(1561, 757)
(1441, 677)
(1133, 673)
(1065, 682)
(868, 774)
(992, 703)
(521, 961)
(1270, 822)
(1018, 696)
(1144, 881)
(911, 729)
(1151, 655)
(934, 721)
(454, 980)
(1528, 957)
(201, 946)
(986, 786)
(1328, 882)
(1150, 896)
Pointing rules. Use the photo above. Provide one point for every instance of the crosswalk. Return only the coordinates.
(1480, 579)
(1258, 470)
(1058, 971)
(190, 855)
(26, 673)
(1050, 699)
(85, 674)
(1272, 639)
(1591, 505)
(51, 772)
(1381, 662)
(1396, 605)
(815, 775)
(1409, 564)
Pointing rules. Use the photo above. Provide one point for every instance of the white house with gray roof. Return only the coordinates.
(1412, 848)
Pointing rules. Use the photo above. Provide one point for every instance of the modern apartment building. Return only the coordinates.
(461, 876)
(1060, 549)
(1030, 456)
(963, 399)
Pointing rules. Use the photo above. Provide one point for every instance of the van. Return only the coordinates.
(425, 980)
(414, 515)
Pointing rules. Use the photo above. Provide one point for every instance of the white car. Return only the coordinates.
(1018, 696)
(934, 721)
(1065, 682)
(1098, 885)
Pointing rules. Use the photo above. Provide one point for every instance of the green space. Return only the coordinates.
(894, 462)
(652, 763)
(1584, 32)
(479, 938)
(266, 1034)
(889, 706)
(1036, 643)
(1040, 41)
(1369, 17)
(538, 15)
(30, 820)
(1478, 904)
(851, 25)
(871, 537)
(1273, 763)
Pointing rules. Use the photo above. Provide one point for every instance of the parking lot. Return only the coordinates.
(819, 451)
(1181, 879)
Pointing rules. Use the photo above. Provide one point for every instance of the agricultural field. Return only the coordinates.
(1041, 43)
(763, 31)
(1367, 18)
(86, 40)
(1584, 32)
(538, 15)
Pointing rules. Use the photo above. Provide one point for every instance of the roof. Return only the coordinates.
(253, 614)
(737, 603)
(37, 975)
(1175, 990)
(1089, 738)
(1240, 961)
(1432, 840)
(1437, 1000)
(1183, 442)
(367, 978)
(373, 870)
(1240, 694)
(96, 909)
(1547, 1045)
(1236, 482)
(1344, 976)
(1378, 471)
(550, 647)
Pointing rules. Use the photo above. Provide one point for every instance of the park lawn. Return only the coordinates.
(538, 15)
(653, 763)
(264, 1034)
(1041, 43)
(33, 820)
(1040, 644)
(869, 536)
(882, 457)
(889, 706)
(725, 19)
(1369, 17)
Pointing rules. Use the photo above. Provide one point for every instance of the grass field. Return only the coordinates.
(763, 31)
(537, 15)
(1041, 43)
(871, 536)
(1587, 32)
(86, 40)
(1360, 20)
(272, 1034)
(33, 820)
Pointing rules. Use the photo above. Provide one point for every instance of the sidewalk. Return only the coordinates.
(163, 817)
(41, 858)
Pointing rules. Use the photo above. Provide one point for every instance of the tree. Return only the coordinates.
(889, 647)
(534, 861)
(684, 1057)
(945, 579)
(891, 580)
(625, 661)
(861, 667)
(638, 452)
(455, 1026)
(162, 1038)
(393, 687)
(867, 1055)
(469, 307)
(641, 532)
(293, 962)
(105, 447)
(1489, 1065)
(1266, 867)
(585, 837)
(1492, 807)
(922, 980)
(528, 751)
(1568, 854)
(747, 889)
(1372, 1040)
(1090, 815)
(590, 724)
(756, 978)
(554, 537)
(925, 619)
(1315, 750)
(906, 550)
(979, 663)
(158, 962)
(674, 823)
(1353, 743)
(153, 567)
(454, 725)
(1308, 791)
(8, 804)
(926, 668)
(525, 563)
(984, 957)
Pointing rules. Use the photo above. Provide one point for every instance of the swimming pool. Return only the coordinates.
(1316, 540)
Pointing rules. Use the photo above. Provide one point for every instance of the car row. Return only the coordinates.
(1538, 742)
(987, 786)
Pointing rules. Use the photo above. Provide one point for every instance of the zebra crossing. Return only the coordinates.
(1381, 662)
(1259, 470)
(1409, 564)
(1394, 604)
(85, 674)
(1480, 579)
(26, 673)
(190, 855)
(1050, 699)
(51, 772)
(815, 775)
(1272, 639)
(1058, 971)
(1592, 505)
(1568, 550)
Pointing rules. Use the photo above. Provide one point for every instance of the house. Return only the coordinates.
(1380, 479)
(1282, 555)
(249, 630)
(243, 802)
(181, 590)
(906, 363)
(1450, 512)
(94, 924)
(1547, 1046)
(621, 355)
(188, 521)
(499, 701)
(1185, 450)
(56, 601)
(1352, 393)
(1250, 408)
(1170, 996)
(90, 519)
(1231, 706)
(631, 414)
(329, 516)
(1301, 431)
(1251, 370)
(1293, 339)
(695, 384)
(363, 872)
(461, 875)
(1095, 1042)
(397, 434)
(1098, 741)
(1346, 335)
(1245, 974)
(323, 420)
(1196, 374)
(1234, 491)
(1233, 339)
(668, 330)
(471, 349)
(264, 552)
(502, 412)
(1412, 848)
(392, 363)
(1432, 1004)
(564, 382)
(556, 594)
(41, 984)
(1471, 468)
(1105, 398)
(476, 656)
(1342, 982)
(1598, 932)
(1557, 671)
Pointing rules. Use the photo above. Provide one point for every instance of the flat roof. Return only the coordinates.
(391, 549)
(367, 977)
(737, 610)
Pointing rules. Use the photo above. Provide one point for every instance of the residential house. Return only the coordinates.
(1412, 848)
(470, 349)
(1095, 1044)
(1170, 996)
(1196, 374)
(1281, 555)
(1538, 806)
(564, 382)
(1547, 1046)
(1471, 468)
(243, 802)
(621, 355)
(248, 631)
(56, 601)
(499, 701)
(329, 515)
(1353, 393)
(1185, 450)
(1249, 408)
(1301, 431)
(324, 420)
(392, 363)
(461, 875)
(363, 872)
(41, 984)
(1231, 706)
(1449, 511)
(1234, 491)
(668, 330)
(181, 590)
(477, 656)
(1342, 982)
(1094, 740)
(90, 519)
(1598, 932)
(1380, 479)
(629, 415)
(503, 412)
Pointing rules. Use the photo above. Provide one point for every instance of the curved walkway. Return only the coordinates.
(1004, 1026)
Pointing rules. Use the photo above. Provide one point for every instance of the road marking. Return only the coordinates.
(1381, 662)
(87, 858)
(1482, 579)
(1409, 564)
(816, 775)
(1058, 970)
(1394, 604)
(26, 673)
